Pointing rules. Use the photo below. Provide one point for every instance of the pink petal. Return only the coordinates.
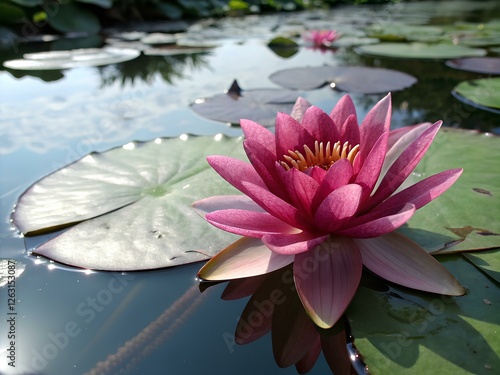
(292, 243)
(327, 278)
(342, 110)
(290, 135)
(247, 223)
(244, 258)
(423, 191)
(370, 170)
(376, 122)
(338, 207)
(264, 162)
(398, 141)
(299, 108)
(301, 188)
(224, 202)
(276, 206)
(380, 225)
(235, 171)
(339, 174)
(260, 134)
(317, 173)
(405, 164)
(320, 126)
(396, 258)
(350, 131)
(400, 138)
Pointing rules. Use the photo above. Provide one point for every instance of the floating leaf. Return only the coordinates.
(283, 47)
(363, 80)
(481, 41)
(465, 217)
(486, 65)
(72, 58)
(487, 261)
(159, 38)
(403, 331)
(482, 93)
(395, 31)
(419, 50)
(69, 18)
(147, 188)
(259, 105)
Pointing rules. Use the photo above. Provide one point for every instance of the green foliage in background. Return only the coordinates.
(26, 18)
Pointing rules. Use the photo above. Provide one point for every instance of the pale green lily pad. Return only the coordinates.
(419, 50)
(482, 92)
(403, 331)
(395, 31)
(147, 188)
(72, 58)
(464, 218)
(487, 261)
(10, 270)
(481, 41)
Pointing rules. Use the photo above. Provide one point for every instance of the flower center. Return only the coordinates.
(323, 156)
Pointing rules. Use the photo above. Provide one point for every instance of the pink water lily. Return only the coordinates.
(321, 38)
(327, 195)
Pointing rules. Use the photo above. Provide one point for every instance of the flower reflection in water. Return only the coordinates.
(275, 307)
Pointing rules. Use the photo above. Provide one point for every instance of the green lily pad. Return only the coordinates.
(71, 18)
(481, 41)
(147, 189)
(486, 65)
(403, 331)
(55, 60)
(395, 31)
(464, 218)
(352, 79)
(419, 50)
(487, 261)
(481, 92)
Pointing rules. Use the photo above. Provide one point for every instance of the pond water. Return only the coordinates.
(69, 320)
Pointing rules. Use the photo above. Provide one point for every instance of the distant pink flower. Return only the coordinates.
(323, 193)
(321, 38)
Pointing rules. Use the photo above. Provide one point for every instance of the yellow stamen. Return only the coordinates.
(323, 156)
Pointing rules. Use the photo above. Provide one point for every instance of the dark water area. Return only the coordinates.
(69, 321)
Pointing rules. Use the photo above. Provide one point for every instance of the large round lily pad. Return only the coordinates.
(72, 58)
(145, 190)
(419, 50)
(363, 80)
(259, 105)
(482, 93)
(486, 65)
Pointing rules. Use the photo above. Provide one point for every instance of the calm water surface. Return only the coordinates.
(69, 320)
